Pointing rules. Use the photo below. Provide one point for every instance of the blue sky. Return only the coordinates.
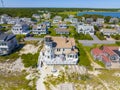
(63, 3)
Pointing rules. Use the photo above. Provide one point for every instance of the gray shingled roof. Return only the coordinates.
(5, 36)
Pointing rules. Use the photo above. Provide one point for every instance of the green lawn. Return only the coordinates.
(83, 58)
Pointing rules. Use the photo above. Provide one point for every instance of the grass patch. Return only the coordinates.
(100, 35)
(30, 60)
(100, 63)
(83, 59)
(118, 43)
(17, 82)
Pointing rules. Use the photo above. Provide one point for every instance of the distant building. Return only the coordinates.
(107, 55)
(114, 20)
(85, 29)
(40, 29)
(8, 43)
(71, 19)
(62, 25)
(109, 31)
(100, 20)
(57, 19)
(4, 19)
(37, 16)
(20, 29)
(89, 20)
(47, 23)
(47, 15)
(58, 50)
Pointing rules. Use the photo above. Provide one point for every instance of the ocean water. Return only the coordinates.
(112, 14)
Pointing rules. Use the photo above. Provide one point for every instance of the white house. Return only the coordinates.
(57, 19)
(100, 20)
(40, 29)
(58, 50)
(85, 29)
(37, 16)
(71, 19)
(8, 43)
(62, 25)
(109, 31)
(20, 29)
(4, 18)
(47, 15)
(114, 20)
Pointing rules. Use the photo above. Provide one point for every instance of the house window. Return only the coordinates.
(43, 54)
(63, 49)
(70, 56)
(75, 56)
(48, 57)
(58, 49)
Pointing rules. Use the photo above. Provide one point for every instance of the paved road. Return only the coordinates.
(91, 42)
(96, 41)
(94, 37)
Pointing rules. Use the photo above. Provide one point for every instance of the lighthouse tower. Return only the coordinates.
(49, 51)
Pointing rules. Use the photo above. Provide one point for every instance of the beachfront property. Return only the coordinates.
(85, 29)
(8, 43)
(109, 31)
(40, 29)
(114, 20)
(58, 50)
(20, 28)
(57, 19)
(107, 54)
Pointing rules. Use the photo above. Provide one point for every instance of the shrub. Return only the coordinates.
(30, 60)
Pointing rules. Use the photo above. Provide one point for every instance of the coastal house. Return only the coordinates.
(47, 15)
(8, 43)
(57, 19)
(20, 28)
(114, 20)
(107, 54)
(89, 20)
(40, 29)
(109, 31)
(4, 19)
(56, 52)
(85, 29)
(100, 20)
(47, 23)
(37, 16)
(71, 20)
(62, 25)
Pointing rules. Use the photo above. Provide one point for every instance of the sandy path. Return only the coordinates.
(44, 71)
